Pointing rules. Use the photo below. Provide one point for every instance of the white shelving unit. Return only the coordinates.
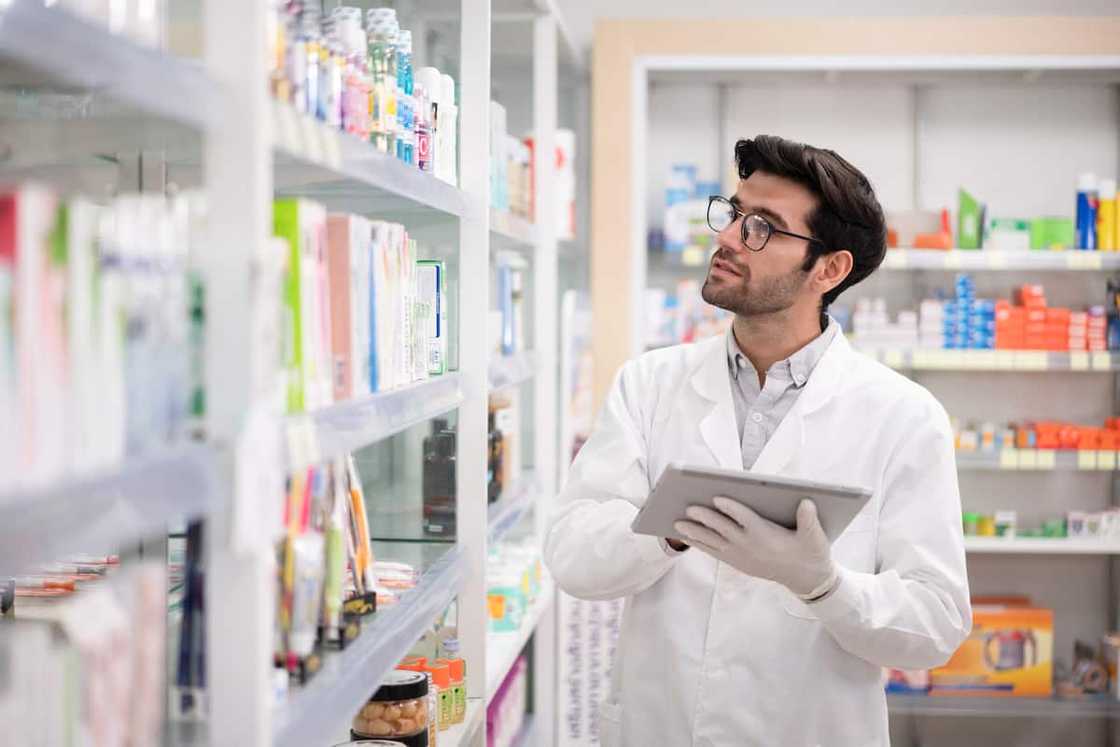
(1038, 459)
(213, 121)
(1041, 546)
(968, 260)
(995, 360)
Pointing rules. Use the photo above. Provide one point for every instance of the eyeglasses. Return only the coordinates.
(755, 231)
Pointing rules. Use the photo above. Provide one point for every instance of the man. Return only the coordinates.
(758, 635)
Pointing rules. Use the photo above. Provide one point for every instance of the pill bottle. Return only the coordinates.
(398, 710)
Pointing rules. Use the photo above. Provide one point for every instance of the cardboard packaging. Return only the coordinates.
(1010, 652)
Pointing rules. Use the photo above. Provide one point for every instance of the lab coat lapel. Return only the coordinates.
(788, 441)
(712, 381)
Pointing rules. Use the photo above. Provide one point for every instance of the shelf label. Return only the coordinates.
(1106, 460)
(1102, 361)
(893, 358)
(1046, 459)
(997, 261)
(1081, 260)
(953, 260)
(897, 259)
(982, 360)
(1005, 359)
(332, 150)
(1009, 459)
(921, 359)
(1078, 361)
(1028, 459)
(1086, 459)
(287, 134)
(1031, 360)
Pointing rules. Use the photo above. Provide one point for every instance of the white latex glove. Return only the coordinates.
(800, 560)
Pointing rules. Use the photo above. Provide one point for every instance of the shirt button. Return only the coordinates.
(757, 417)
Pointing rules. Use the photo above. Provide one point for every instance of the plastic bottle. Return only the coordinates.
(312, 38)
(1108, 239)
(424, 149)
(406, 150)
(1087, 212)
(428, 79)
(382, 30)
(449, 130)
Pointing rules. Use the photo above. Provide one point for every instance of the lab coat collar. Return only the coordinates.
(712, 381)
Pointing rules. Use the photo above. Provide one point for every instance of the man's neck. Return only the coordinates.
(770, 338)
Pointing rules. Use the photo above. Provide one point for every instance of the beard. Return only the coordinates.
(749, 298)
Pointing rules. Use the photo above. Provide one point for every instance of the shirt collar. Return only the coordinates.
(799, 365)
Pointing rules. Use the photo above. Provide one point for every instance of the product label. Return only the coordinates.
(459, 703)
(424, 150)
(446, 709)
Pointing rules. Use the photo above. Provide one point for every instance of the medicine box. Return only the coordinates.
(1010, 652)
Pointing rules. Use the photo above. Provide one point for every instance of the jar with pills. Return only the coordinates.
(397, 711)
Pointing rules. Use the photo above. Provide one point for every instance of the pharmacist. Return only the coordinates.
(752, 634)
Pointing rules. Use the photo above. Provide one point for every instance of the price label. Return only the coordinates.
(983, 360)
(997, 261)
(921, 359)
(1106, 460)
(1028, 459)
(1005, 359)
(893, 358)
(953, 260)
(1079, 260)
(1086, 459)
(1102, 361)
(1009, 459)
(1031, 360)
(1046, 459)
(1078, 361)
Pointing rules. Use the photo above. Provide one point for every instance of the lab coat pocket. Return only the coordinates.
(610, 724)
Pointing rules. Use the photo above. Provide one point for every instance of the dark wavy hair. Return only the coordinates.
(847, 215)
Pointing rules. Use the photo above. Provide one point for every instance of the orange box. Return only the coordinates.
(1036, 315)
(1109, 440)
(1057, 314)
(1010, 652)
(1089, 439)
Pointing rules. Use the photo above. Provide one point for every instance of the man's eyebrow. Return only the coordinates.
(765, 212)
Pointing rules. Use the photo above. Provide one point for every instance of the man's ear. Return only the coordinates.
(831, 269)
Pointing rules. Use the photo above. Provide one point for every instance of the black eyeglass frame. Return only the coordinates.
(712, 199)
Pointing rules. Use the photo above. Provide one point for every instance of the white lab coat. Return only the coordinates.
(710, 657)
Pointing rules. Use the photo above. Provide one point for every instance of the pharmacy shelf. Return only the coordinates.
(1003, 707)
(966, 259)
(993, 360)
(512, 231)
(502, 649)
(506, 512)
(51, 46)
(1038, 459)
(348, 677)
(349, 174)
(1041, 546)
(511, 370)
(460, 735)
(100, 513)
(348, 426)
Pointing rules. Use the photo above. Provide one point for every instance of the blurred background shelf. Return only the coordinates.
(1038, 459)
(993, 360)
(1042, 546)
(54, 49)
(967, 259)
(512, 231)
(343, 685)
(1003, 707)
(507, 511)
(461, 734)
(98, 514)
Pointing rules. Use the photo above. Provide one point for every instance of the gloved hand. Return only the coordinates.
(800, 560)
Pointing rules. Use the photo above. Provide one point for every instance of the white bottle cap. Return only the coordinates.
(430, 78)
(1087, 183)
(1107, 189)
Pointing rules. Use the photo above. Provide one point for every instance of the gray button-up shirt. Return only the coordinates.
(759, 410)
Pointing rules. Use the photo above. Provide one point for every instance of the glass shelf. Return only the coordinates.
(507, 511)
(100, 513)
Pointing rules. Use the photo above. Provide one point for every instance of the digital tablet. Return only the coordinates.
(771, 497)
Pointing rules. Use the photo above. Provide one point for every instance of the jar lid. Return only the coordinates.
(383, 14)
(402, 685)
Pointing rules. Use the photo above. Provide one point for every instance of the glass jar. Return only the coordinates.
(398, 710)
